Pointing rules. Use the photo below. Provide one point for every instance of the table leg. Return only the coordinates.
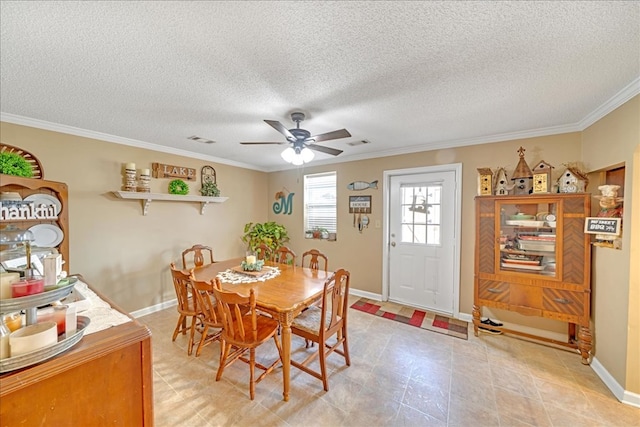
(286, 358)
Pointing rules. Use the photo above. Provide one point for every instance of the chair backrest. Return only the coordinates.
(207, 304)
(198, 256)
(335, 302)
(284, 255)
(231, 308)
(264, 252)
(182, 286)
(314, 261)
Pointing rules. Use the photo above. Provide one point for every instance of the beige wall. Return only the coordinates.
(119, 251)
(361, 253)
(125, 255)
(611, 141)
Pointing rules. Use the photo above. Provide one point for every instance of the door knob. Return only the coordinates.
(393, 244)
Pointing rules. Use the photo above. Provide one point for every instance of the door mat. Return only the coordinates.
(414, 317)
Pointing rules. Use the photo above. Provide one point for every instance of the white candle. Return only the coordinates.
(131, 166)
(251, 259)
(144, 171)
(6, 279)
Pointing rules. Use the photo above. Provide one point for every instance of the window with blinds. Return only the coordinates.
(320, 201)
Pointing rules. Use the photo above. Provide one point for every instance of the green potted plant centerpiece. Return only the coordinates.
(270, 233)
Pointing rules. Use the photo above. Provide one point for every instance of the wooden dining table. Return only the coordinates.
(283, 296)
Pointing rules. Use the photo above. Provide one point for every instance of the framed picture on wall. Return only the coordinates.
(360, 204)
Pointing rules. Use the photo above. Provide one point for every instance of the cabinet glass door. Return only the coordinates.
(527, 236)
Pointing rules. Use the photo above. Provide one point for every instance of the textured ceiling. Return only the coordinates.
(405, 76)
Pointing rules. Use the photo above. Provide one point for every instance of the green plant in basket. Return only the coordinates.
(210, 189)
(178, 186)
(271, 234)
(14, 164)
(257, 266)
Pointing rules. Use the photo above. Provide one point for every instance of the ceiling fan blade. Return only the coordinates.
(323, 149)
(336, 134)
(256, 143)
(280, 128)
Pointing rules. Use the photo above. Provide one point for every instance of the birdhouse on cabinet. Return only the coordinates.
(542, 177)
(501, 188)
(485, 184)
(522, 176)
(572, 181)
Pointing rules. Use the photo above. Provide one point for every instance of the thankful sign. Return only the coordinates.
(160, 170)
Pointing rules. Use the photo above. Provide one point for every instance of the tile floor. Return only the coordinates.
(400, 375)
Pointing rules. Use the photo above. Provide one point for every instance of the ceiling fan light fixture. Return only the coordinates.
(288, 154)
(297, 156)
(307, 155)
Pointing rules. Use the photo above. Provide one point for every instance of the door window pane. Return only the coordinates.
(421, 207)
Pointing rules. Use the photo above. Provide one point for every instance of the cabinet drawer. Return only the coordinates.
(563, 303)
(525, 296)
(492, 290)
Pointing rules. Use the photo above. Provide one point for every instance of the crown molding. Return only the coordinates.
(454, 143)
(624, 95)
(70, 130)
(628, 92)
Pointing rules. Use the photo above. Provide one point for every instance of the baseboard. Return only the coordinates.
(365, 294)
(624, 396)
(154, 308)
(466, 317)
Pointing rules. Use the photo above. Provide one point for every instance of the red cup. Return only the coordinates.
(27, 286)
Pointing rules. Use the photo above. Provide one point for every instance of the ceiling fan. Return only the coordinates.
(302, 141)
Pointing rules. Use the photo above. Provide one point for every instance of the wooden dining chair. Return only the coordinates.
(284, 255)
(318, 324)
(244, 331)
(199, 252)
(187, 306)
(264, 252)
(314, 259)
(207, 312)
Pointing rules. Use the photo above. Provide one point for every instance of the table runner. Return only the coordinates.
(234, 277)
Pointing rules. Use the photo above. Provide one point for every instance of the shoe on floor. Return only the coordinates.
(489, 331)
(490, 322)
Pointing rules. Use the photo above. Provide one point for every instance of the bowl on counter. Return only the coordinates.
(32, 338)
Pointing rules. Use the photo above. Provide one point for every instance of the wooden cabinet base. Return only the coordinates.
(106, 379)
(583, 342)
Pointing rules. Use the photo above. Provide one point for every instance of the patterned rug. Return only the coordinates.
(411, 316)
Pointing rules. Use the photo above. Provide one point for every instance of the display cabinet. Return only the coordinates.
(533, 257)
(46, 214)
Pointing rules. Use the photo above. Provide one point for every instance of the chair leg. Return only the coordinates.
(323, 367)
(181, 321)
(223, 359)
(202, 339)
(191, 335)
(252, 380)
(345, 347)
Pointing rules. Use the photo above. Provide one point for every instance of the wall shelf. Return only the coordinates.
(146, 199)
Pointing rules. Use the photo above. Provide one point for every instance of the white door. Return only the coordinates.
(422, 243)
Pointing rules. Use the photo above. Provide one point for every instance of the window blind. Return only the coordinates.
(320, 201)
